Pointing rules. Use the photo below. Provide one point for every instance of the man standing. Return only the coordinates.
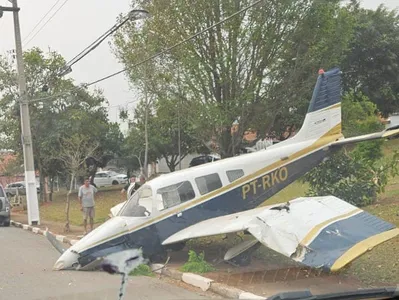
(126, 187)
(133, 186)
(86, 200)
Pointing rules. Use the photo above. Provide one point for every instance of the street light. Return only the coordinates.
(133, 15)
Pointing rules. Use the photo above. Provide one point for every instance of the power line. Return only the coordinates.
(96, 43)
(52, 16)
(178, 44)
(45, 15)
(155, 55)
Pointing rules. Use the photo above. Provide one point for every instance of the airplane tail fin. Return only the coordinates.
(323, 118)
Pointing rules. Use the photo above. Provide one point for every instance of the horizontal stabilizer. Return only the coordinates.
(389, 133)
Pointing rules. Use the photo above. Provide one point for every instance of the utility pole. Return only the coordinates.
(30, 178)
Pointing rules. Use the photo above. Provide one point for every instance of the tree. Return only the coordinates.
(355, 174)
(73, 153)
(58, 109)
(168, 129)
(235, 71)
(110, 141)
(371, 66)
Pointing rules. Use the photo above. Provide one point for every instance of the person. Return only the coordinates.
(86, 200)
(133, 188)
(126, 187)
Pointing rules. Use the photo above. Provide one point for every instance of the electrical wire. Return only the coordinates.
(38, 23)
(52, 16)
(155, 55)
(176, 45)
(94, 44)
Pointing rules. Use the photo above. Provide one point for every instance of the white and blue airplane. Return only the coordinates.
(223, 197)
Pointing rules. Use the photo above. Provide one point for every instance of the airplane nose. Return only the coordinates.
(68, 260)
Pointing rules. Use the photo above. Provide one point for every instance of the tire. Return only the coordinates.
(6, 223)
(115, 182)
(242, 260)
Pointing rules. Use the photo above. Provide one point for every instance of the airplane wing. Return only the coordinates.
(389, 133)
(322, 232)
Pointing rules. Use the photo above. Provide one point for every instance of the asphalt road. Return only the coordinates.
(26, 261)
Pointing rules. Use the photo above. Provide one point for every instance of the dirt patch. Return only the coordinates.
(269, 273)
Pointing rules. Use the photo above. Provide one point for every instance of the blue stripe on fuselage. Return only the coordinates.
(150, 238)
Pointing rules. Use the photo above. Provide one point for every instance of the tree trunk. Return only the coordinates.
(67, 227)
(145, 171)
(42, 180)
(51, 188)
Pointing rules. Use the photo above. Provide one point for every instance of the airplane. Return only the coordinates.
(223, 197)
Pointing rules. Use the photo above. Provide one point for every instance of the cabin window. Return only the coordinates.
(176, 193)
(139, 204)
(233, 175)
(208, 183)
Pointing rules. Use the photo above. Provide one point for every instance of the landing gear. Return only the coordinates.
(240, 255)
(242, 260)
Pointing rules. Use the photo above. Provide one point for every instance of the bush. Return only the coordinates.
(142, 270)
(355, 174)
(343, 177)
(196, 263)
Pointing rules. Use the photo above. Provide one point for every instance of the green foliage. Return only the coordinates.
(255, 68)
(344, 178)
(142, 270)
(359, 115)
(371, 66)
(196, 263)
(53, 119)
(356, 175)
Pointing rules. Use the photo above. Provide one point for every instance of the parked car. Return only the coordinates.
(4, 208)
(199, 160)
(105, 178)
(12, 188)
(122, 178)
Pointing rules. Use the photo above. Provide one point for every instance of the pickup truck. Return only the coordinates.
(14, 187)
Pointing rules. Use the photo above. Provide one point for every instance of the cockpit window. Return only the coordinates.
(234, 174)
(176, 193)
(208, 183)
(139, 204)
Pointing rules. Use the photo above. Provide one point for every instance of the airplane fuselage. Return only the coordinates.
(282, 167)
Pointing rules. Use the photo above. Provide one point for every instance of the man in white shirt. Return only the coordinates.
(86, 200)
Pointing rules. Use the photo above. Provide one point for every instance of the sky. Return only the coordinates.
(75, 26)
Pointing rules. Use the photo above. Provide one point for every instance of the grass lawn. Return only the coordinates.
(106, 198)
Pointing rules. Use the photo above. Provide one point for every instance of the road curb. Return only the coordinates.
(198, 281)
(37, 230)
(206, 284)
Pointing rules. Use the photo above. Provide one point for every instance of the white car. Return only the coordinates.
(122, 178)
(105, 178)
